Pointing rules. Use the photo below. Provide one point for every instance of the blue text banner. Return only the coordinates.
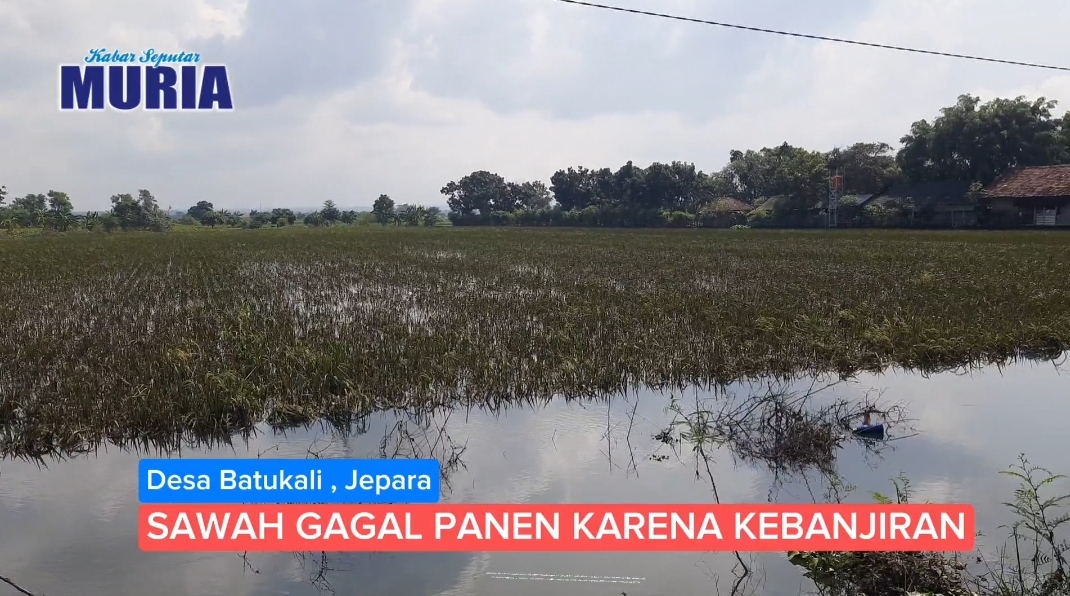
(299, 481)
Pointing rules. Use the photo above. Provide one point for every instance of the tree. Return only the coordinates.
(573, 188)
(258, 219)
(688, 181)
(127, 211)
(3, 194)
(525, 195)
(478, 191)
(383, 209)
(976, 142)
(330, 212)
(148, 202)
(152, 218)
(213, 219)
(282, 217)
(627, 185)
(110, 223)
(200, 210)
(779, 171)
(410, 215)
(868, 168)
(30, 209)
(432, 215)
(60, 211)
(714, 186)
(141, 213)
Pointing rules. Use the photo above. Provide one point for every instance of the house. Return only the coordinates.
(1038, 196)
(944, 203)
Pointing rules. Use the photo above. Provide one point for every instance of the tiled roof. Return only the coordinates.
(765, 204)
(773, 202)
(730, 204)
(1039, 181)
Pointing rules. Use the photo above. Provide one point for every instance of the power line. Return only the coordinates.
(807, 36)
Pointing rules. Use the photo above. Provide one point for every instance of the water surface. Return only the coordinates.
(71, 528)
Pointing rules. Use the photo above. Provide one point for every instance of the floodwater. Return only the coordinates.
(71, 528)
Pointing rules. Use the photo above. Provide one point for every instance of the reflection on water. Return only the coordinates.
(70, 527)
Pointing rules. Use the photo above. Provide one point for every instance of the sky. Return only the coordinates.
(349, 99)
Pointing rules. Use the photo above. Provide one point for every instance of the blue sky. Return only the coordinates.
(345, 100)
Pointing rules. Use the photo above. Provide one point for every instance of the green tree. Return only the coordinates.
(525, 195)
(868, 168)
(259, 219)
(779, 171)
(30, 210)
(60, 211)
(477, 192)
(110, 223)
(141, 213)
(574, 188)
(281, 217)
(127, 211)
(213, 218)
(976, 142)
(330, 212)
(200, 210)
(153, 218)
(410, 215)
(383, 209)
(714, 186)
(431, 216)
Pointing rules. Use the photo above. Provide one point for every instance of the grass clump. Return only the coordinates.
(1033, 562)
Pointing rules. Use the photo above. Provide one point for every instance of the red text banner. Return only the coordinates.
(563, 527)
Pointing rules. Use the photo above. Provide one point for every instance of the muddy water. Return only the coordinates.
(70, 528)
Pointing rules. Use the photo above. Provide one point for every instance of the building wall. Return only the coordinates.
(1025, 207)
(1004, 206)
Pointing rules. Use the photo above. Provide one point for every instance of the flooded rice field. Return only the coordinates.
(70, 527)
(539, 366)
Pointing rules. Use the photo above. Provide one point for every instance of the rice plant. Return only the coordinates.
(164, 339)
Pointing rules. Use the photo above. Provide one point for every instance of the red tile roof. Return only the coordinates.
(1038, 181)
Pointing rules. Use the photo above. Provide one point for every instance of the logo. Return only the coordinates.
(151, 81)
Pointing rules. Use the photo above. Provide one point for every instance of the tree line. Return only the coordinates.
(969, 141)
(54, 211)
(384, 212)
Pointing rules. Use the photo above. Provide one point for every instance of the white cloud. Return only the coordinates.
(443, 87)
